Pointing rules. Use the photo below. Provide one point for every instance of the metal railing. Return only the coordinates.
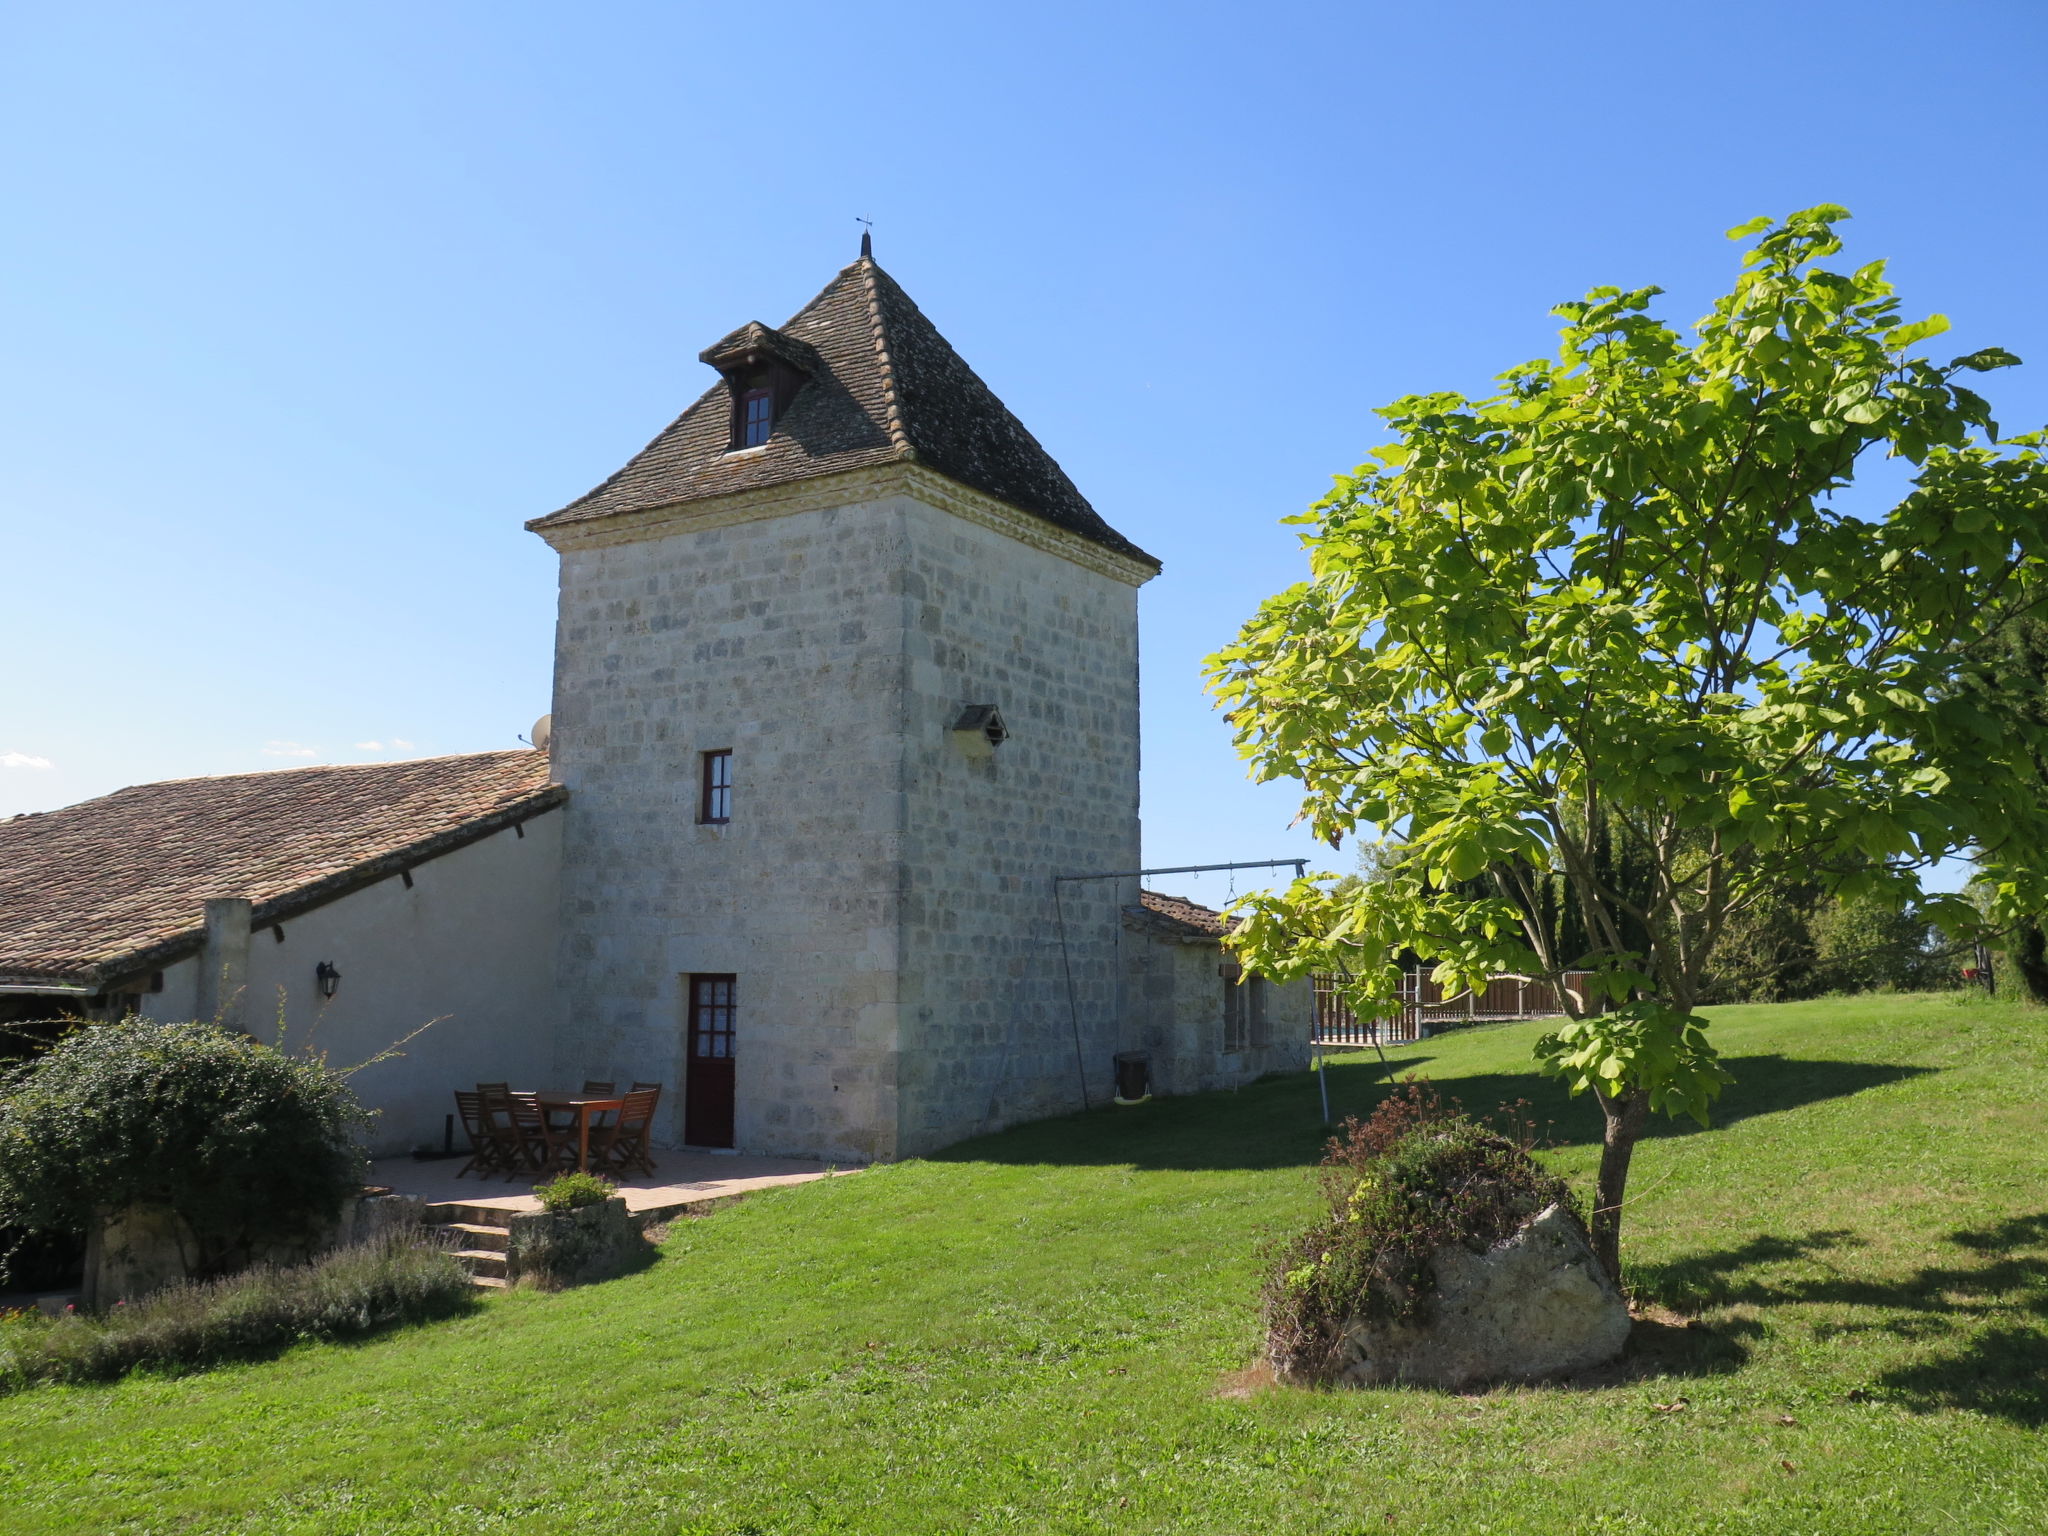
(1425, 1009)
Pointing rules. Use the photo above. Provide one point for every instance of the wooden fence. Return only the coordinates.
(1425, 1010)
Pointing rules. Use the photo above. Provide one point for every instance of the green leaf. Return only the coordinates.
(1901, 337)
(1985, 359)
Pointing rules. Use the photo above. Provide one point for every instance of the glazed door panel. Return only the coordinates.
(708, 1090)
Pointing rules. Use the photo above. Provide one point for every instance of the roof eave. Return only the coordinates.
(837, 487)
(97, 976)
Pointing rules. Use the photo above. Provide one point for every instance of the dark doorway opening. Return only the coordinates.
(708, 1089)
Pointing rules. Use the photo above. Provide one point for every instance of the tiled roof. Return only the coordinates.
(885, 388)
(102, 889)
(1175, 917)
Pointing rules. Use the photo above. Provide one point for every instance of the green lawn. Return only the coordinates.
(1045, 1330)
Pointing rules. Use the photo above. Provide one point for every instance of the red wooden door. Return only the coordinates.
(708, 1090)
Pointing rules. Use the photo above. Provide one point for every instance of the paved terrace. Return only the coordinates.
(681, 1179)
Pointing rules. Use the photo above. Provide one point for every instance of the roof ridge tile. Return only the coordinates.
(892, 399)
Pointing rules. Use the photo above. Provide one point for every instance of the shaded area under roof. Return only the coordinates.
(885, 388)
(107, 887)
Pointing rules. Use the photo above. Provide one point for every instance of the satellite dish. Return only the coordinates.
(543, 732)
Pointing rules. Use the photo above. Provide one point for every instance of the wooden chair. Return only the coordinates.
(541, 1142)
(494, 1100)
(497, 1109)
(487, 1150)
(593, 1089)
(624, 1146)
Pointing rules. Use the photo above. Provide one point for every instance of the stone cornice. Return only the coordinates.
(876, 483)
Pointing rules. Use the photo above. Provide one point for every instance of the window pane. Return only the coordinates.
(758, 419)
(715, 799)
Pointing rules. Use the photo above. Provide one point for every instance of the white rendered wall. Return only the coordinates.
(472, 945)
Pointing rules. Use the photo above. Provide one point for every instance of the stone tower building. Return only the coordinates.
(846, 671)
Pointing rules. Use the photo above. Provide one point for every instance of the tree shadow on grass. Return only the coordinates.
(1765, 1084)
(1278, 1121)
(1984, 1315)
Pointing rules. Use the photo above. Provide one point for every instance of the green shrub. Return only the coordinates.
(249, 1146)
(391, 1279)
(1414, 1177)
(573, 1190)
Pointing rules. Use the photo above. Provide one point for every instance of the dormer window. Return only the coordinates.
(757, 417)
(763, 371)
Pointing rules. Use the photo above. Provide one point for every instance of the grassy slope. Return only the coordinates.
(1030, 1334)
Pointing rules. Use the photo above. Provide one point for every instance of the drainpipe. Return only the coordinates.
(224, 966)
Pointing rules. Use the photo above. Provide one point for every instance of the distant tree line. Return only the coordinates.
(1795, 941)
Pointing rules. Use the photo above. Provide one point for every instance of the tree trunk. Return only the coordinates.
(2029, 954)
(1626, 1115)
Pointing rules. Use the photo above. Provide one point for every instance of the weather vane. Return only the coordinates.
(867, 235)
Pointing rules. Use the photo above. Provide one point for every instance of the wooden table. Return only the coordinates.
(583, 1106)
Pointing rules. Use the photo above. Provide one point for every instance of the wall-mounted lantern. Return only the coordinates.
(979, 730)
(328, 978)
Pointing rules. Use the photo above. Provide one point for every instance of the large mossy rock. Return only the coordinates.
(1535, 1305)
(1446, 1256)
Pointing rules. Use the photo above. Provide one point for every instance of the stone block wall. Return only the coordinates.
(1173, 1006)
(781, 640)
(988, 1037)
(883, 897)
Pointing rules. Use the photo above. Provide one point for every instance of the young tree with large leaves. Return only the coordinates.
(1625, 599)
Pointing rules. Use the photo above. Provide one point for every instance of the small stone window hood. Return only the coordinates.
(762, 368)
(979, 730)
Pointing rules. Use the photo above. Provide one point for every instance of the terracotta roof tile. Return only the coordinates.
(114, 885)
(1177, 917)
(884, 387)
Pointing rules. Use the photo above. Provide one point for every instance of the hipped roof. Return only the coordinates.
(884, 387)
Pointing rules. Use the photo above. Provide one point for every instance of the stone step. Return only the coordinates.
(482, 1261)
(472, 1234)
(453, 1213)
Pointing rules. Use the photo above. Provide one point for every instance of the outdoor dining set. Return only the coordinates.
(526, 1135)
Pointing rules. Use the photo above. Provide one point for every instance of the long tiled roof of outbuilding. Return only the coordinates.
(883, 387)
(108, 887)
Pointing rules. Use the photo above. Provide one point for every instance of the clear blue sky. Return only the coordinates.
(304, 308)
